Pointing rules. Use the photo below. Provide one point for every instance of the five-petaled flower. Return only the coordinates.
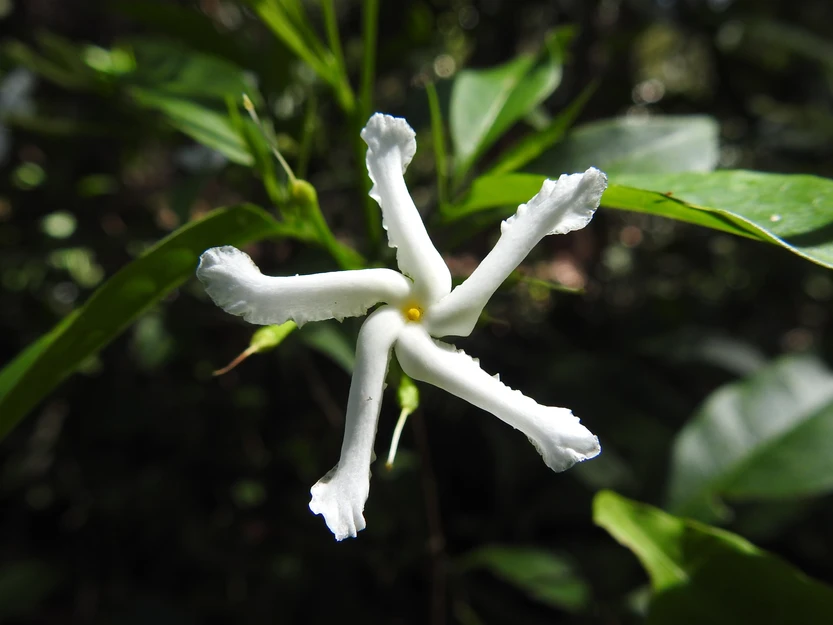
(419, 305)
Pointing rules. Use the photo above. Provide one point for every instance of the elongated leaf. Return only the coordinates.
(176, 70)
(765, 437)
(536, 143)
(485, 103)
(658, 144)
(288, 22)
(701, 574)
(488, 192)
(793, 211)
(542, 575)
(118, 302)
(198, 122)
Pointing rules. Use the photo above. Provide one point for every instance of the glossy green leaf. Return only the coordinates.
(765, 437)
(544, 576)
(486, 103)
(198, 122)
(793, 211)
(658, 144)
(119, 301)
(701, 574)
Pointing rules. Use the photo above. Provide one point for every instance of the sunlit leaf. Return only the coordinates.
(118, 302)
(657, 144)
(535, 143)
(486, 102)
(765, 437)
(701, 574)
(793, 211)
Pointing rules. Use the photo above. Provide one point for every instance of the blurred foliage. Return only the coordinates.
(146, 490)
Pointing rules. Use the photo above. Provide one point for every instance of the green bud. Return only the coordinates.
(303, 193)
(407, 394)
(269, 337)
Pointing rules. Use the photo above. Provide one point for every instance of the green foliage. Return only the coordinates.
(119, 301)
(700, 574)
(792, 211)
(765, 437)
(510, 92)
(544, 576)
(135, 135)
(634, 145)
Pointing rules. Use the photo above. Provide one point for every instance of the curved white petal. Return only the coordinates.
(236, 285)
(341, 494)
(559, 207)
(556, 433)
(391, 145)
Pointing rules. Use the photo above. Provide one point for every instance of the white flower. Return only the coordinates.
(418, 306)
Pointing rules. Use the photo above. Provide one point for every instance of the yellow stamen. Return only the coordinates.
(413, 314)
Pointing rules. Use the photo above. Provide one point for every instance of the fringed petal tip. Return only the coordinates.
(227, 273)
(567, 204)
(341, 506)
(563, 441)
(384, 132)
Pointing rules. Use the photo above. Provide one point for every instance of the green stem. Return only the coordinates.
(438, 136)
(370, 36)
(343, 90)
(370, 32)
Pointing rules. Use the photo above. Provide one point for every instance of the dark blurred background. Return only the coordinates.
(145, 491)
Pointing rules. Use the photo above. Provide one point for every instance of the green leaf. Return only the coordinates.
(793, 211)
(534, 144)
(765, 437)
(486, 103)
(328, 338)
(54, 70)
(198, 122)
(544, 576)
(701, 574)
(119, 301)
(175, 70)
(288, 21)
(658, 144)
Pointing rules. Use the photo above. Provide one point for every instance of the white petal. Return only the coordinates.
(556, 433)
(391, 145)
(559, 207)
(340, 495)
(236, 285)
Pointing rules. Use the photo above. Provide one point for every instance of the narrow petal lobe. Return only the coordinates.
(236, 285)
(341, 494)
(391, 145)
(555, 432)
(559, 207)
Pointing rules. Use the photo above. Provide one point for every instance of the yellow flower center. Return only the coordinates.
(412, 313)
